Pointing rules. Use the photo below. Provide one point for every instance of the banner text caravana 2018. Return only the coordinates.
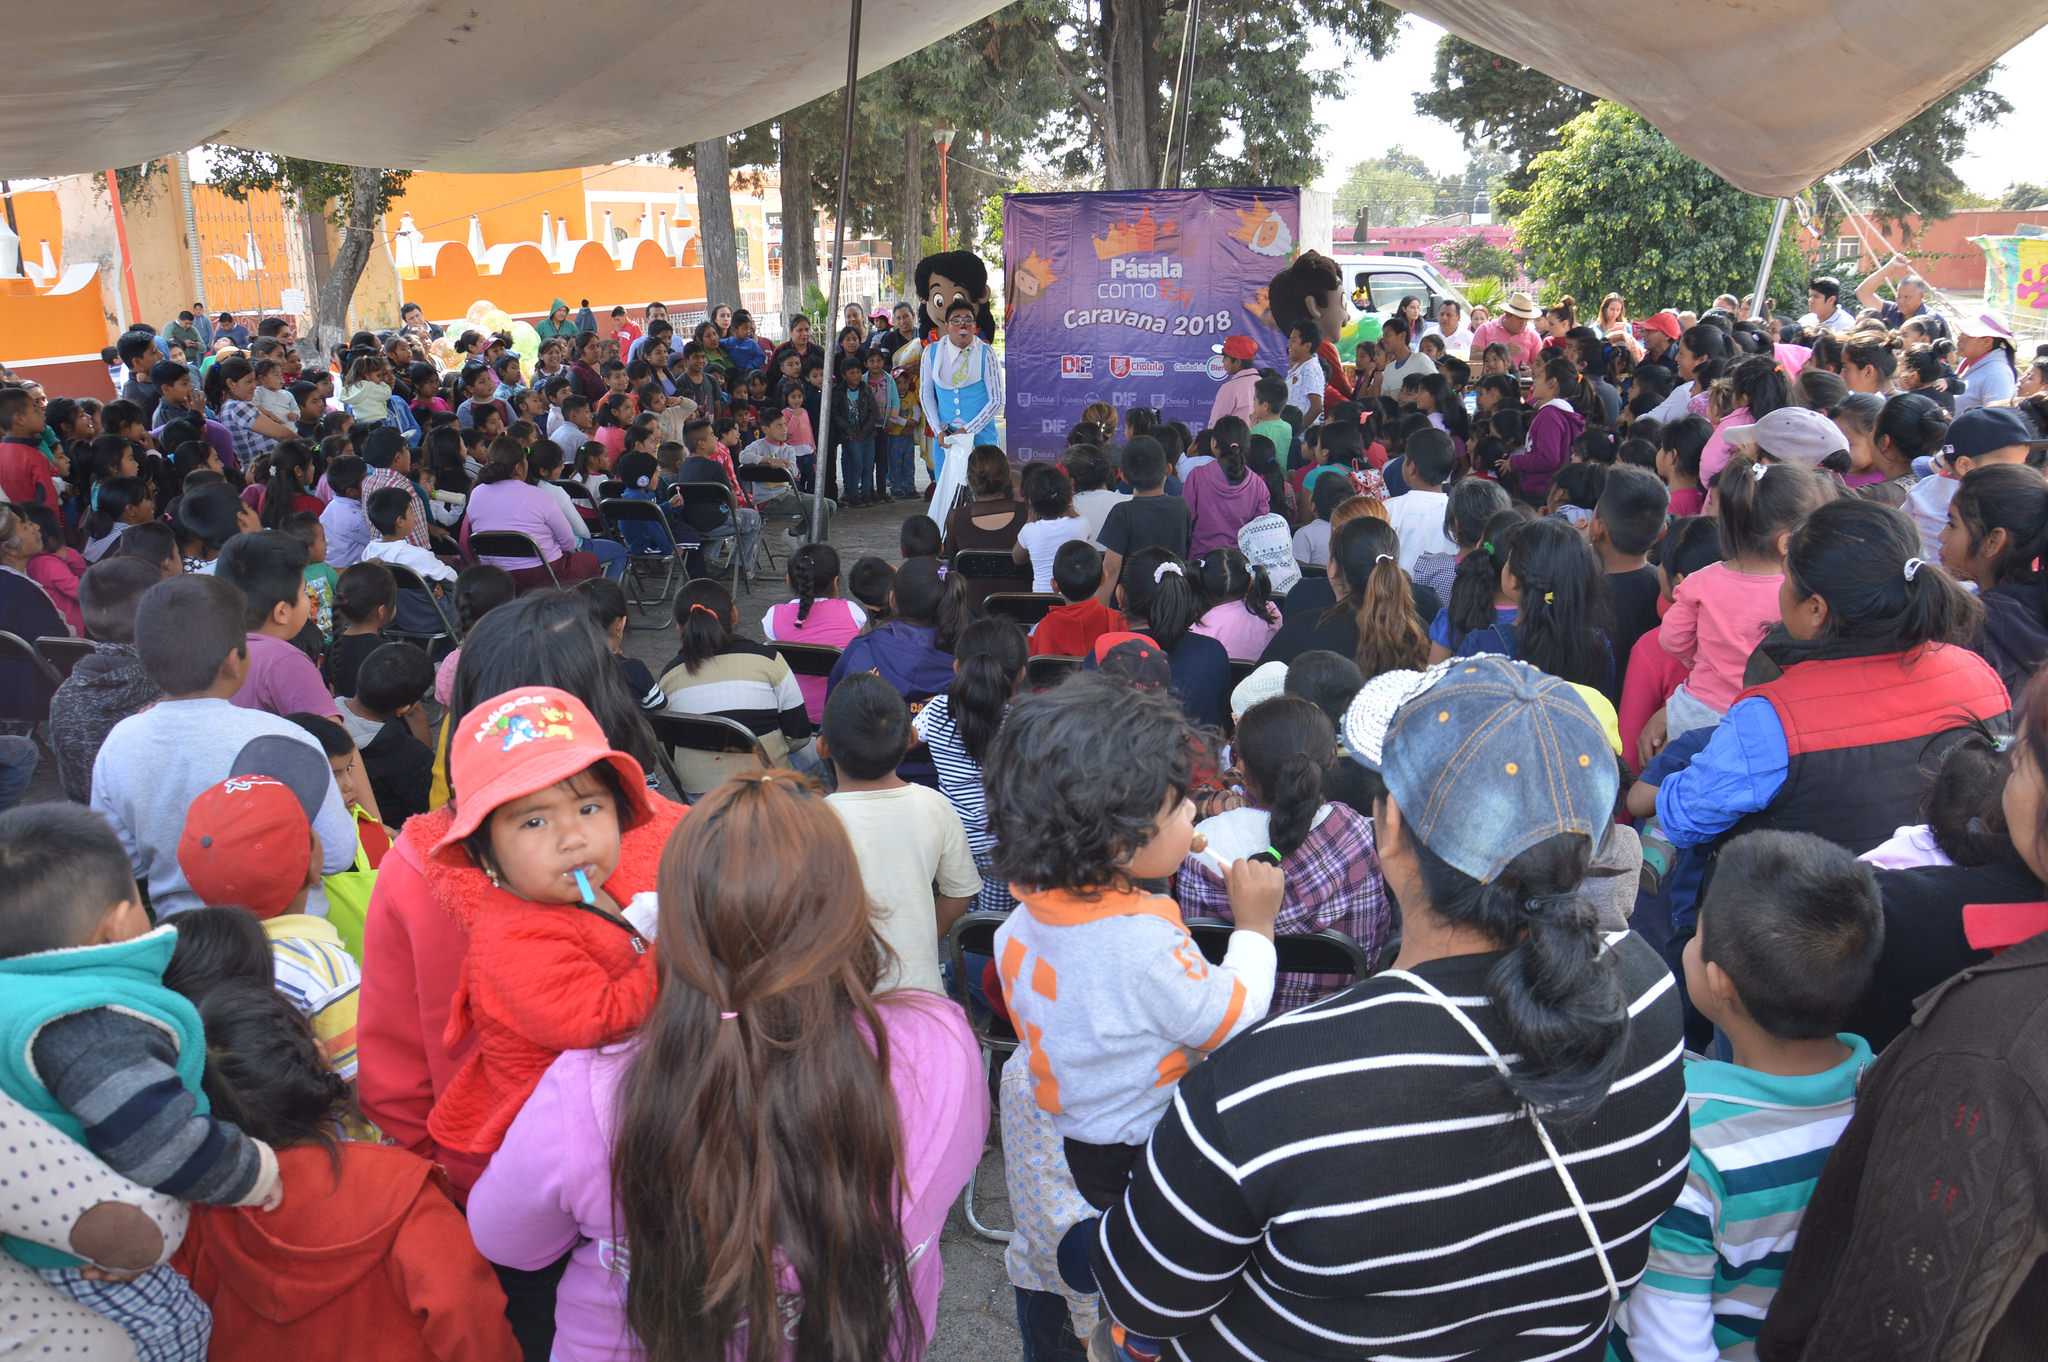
(1126, 298)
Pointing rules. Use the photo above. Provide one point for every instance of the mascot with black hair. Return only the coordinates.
(961, 378)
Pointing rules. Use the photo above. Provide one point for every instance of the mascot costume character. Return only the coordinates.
(1312, 290)
(961, 383)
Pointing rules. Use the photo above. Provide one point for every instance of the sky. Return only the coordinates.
(1378, 112)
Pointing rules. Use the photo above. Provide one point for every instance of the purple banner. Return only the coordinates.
(1126, 297)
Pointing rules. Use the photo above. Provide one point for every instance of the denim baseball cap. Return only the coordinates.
(1495, 757)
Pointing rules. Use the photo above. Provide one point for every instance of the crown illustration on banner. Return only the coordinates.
(1138, 238)
(1263, 229)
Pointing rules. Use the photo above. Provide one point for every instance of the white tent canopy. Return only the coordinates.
(1770, 93)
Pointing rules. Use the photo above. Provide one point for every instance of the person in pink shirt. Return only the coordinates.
(502, 499)
(1234, 398)
(1760, 386)
(1225, 496)
(1242, 615)
(873, 1106)
(269, 567)
(818, 615)
(1512, 329)
(1721, 612)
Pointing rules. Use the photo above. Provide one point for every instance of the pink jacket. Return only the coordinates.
(57, 571)
(1234, 398)
(1221, 508)
(548, 1190)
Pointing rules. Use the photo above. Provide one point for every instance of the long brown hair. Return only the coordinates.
(765, 1141)
(1364, 553)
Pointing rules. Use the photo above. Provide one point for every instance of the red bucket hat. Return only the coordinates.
(526, 740)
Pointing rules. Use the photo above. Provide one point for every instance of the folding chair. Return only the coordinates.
(46, 678)
(64, 653)
(610, 487)
(728, 504)
(620, 512)
(1240, 668)
(408, 580)
(509, 544)
(975, 933)
(1313, 569)
(1049, 669)
(581, 495)
(759, 487)
(711, 736)
(809, 659)
(1327, 951)
(1026, 608)
(989, 570)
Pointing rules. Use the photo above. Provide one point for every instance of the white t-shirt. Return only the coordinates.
(907, 841)
(1391, 376)
(1042, 539)
(1312, 542)
(1094, 506)
(1838, 320)
(1305, 380)
(405, 553)
(1458, 342)
(1418, 518)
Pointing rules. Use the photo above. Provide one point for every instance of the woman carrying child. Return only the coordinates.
(778, 1143)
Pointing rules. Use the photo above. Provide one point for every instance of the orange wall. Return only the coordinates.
(1941, 251)
(528, 283)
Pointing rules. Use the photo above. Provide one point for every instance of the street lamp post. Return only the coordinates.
(942, 138)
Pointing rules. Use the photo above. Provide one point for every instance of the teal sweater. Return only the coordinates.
(125, 978)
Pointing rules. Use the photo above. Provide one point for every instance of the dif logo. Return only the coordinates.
(1077, 366)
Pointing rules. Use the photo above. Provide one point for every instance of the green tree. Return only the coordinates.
(2020, 197)
(1473, 257)
(353, 198)
(1396, 189)
(1616, 206)
(1914, 171)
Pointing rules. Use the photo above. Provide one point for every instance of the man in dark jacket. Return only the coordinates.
(110, 685)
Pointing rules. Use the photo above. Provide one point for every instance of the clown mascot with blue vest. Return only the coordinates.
(961, 383)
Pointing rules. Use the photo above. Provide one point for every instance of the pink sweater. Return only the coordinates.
(1220, 507)
(548, 1189)
(1717, 618)
(515, 505)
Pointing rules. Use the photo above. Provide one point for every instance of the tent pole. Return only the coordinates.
(831, 327)
(121, 238)
(1759, 299)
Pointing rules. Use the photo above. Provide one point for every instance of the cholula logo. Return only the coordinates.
(1125, 366)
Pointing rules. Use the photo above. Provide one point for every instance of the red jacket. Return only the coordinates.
(1070, 630)
(414, 953)
(377, 1262)
(27, 476)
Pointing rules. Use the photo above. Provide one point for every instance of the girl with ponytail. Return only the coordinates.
(1224, 496)
(117, 503)
(720, 671)
(960, 725)
(1241, 614)
(818, 615)
(1287, 749)
(287, 486)
(1877, 683)
(778, 1146)
(1997, 533)
(1561, 401)
(1562, 617)
(1758, 386)
(1159, 599)
(1480, 616)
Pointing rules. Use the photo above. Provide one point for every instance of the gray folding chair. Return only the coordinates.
(620, 512)
(509, 544)
(408, 580)
(975, 934)
(64, 653)
(1327, 951)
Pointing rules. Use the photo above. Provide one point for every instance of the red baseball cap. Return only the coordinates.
(247, 843)
(1241, 348)
(526, 740)
(1660, 321)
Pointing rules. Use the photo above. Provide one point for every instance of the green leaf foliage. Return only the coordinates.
(309, 186)
(1616, 206)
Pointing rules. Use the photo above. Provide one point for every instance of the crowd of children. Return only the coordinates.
(519, 999)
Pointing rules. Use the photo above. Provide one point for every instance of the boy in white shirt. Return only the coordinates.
(1418, 514)
(390, 513)
(912, 846)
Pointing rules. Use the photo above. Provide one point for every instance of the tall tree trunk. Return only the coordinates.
(799, 235)
(717, 247)
(351, 254)
(910, 226)
(1130, 149)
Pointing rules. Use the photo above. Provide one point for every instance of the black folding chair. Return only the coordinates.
(408, 580)
(763, 483)
(610, 487)
(45, 678)
(1026, 608)
(1240, 668)
(1313, 569)
(581, 495)
(708, 734)
(1327, 951)
(809, 659)
(64, 653)
(975, 934)
(1049, 669)
(995, 571)
(509, 544)
(620, 512)
(728, 503)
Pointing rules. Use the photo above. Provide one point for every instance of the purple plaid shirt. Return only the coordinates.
(1333, 880)
(249, 443)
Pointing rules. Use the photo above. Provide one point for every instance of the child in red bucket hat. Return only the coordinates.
(551, 831)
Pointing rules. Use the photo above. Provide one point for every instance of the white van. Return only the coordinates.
(1390, 278)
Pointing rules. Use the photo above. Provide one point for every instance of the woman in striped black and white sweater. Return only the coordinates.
(1460, 1157)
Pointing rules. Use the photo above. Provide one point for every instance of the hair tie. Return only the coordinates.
(1913, 566)
(1379, 558)
(1159, 573)
(1759, 471)
(727, 1016)
(1550, 598)
(706, 609)
(1487, 547)
(95, 505)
